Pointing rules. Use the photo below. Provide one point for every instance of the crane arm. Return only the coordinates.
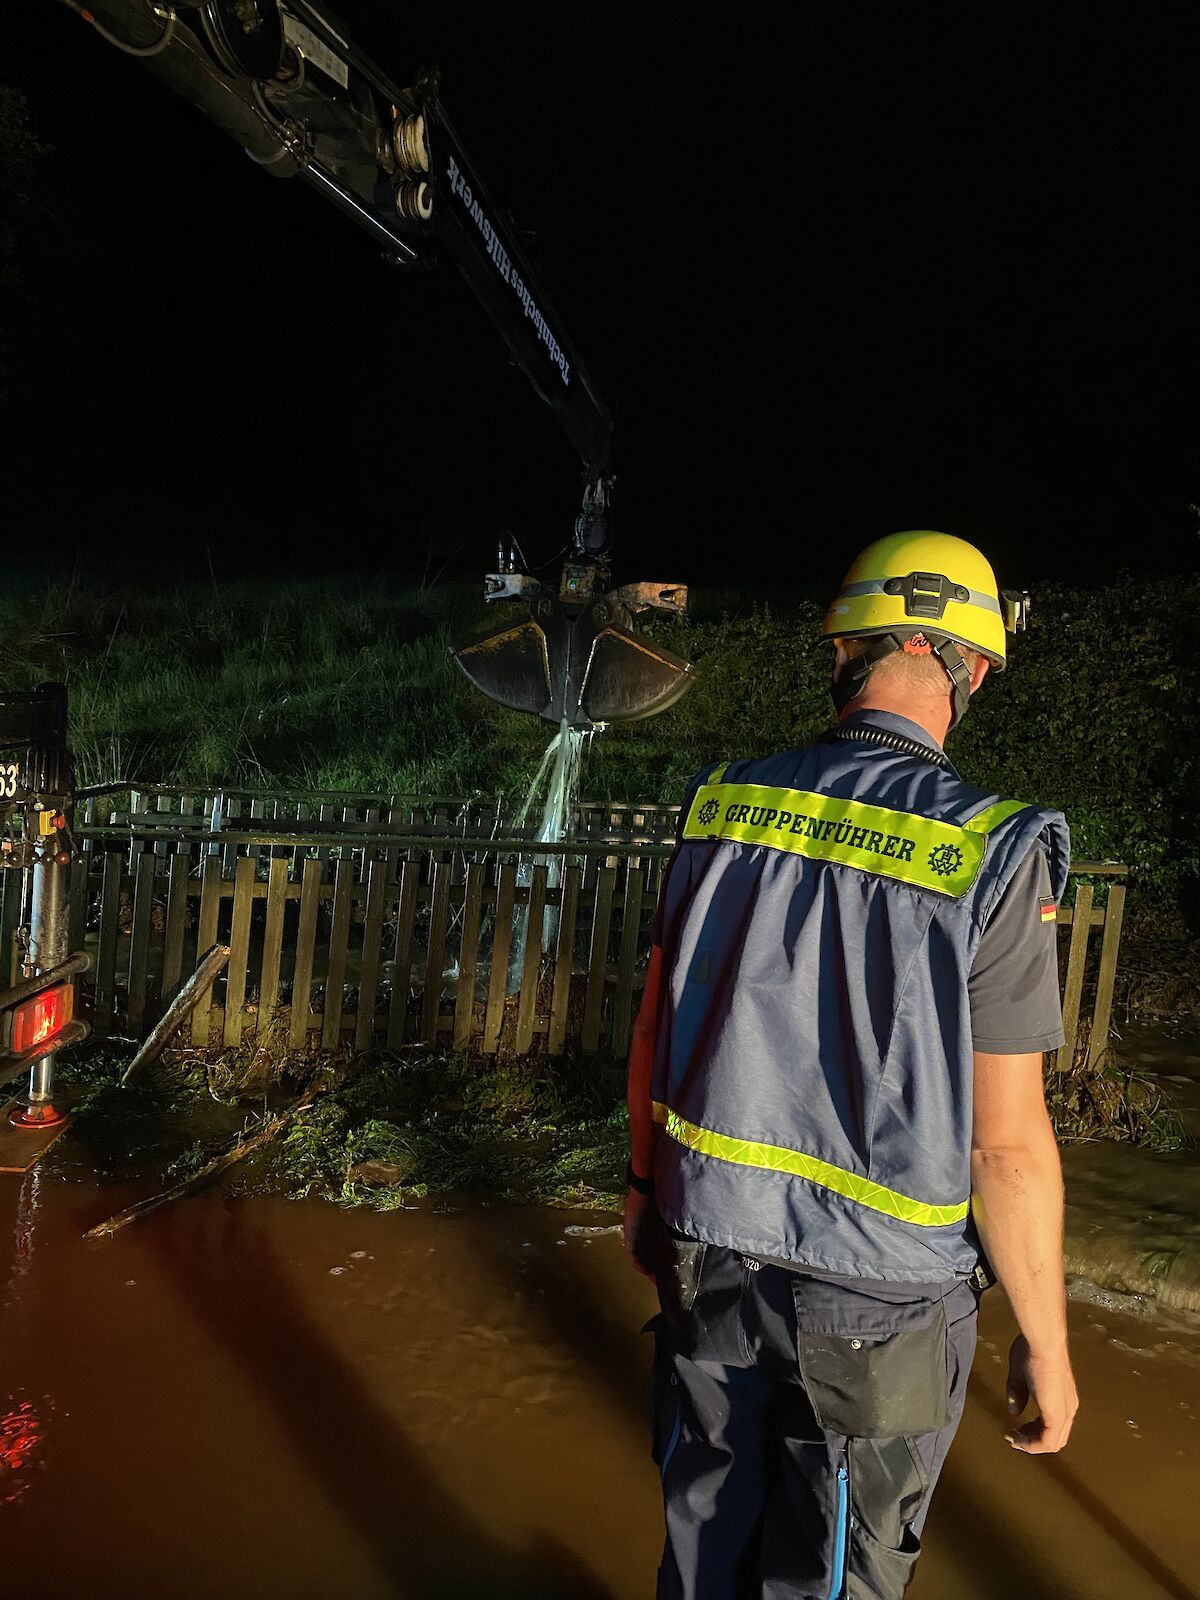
(284, 79)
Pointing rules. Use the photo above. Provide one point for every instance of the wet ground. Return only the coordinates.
(1133, 1214)
(251, 1399)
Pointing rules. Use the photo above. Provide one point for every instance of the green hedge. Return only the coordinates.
(1096, 715)
(351, 685)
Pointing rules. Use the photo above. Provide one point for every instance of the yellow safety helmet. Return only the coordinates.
(924, 583)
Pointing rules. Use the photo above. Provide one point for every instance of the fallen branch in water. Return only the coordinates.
(240, 1151)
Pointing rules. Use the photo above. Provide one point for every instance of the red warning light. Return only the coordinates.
(22, 1438)
(39, 1018)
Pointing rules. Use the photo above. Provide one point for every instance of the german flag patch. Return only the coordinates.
(1048, 909)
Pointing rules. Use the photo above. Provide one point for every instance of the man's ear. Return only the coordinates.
(840, 659)
(979, 672)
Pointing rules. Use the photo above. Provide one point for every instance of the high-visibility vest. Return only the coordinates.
(813, 1069)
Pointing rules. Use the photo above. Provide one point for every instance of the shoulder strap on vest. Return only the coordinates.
(1018, 831)
(990, 818)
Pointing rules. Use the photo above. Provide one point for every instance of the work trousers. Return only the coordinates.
(800, 1426)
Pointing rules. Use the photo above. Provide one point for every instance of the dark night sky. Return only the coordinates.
(836, 279)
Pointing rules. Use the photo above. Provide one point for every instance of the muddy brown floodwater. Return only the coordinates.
(250, 1399)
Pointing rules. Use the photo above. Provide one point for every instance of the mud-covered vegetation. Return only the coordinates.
(1107, 1101)
(382, 1133)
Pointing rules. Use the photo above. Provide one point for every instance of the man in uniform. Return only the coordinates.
(836, 1110)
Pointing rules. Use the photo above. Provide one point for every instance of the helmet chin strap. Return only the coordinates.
(854, 675)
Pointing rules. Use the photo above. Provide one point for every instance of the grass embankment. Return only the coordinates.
(339, 684)
(349, 684)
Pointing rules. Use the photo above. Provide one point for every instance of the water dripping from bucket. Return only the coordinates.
(556, 787)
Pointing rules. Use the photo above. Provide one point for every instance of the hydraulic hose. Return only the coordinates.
(159, 45)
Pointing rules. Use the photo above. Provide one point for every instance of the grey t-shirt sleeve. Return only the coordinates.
(1016, 1006)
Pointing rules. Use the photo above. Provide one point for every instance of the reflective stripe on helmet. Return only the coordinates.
(775, 1158)
(975, 597)
(916, 850)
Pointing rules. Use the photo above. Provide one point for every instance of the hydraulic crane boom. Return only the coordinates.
(283, 78)
(289, 84)
(437, 187)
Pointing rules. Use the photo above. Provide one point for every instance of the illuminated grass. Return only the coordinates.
(349, 684)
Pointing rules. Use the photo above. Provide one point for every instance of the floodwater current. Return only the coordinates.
(257, 1399)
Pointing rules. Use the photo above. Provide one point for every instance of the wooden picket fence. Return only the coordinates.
(360, 922)
(505, 945)
(1082, 916)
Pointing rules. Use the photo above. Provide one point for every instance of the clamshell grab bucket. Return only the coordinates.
(584, 669)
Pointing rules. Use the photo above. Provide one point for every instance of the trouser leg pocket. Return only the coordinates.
(889, 1484)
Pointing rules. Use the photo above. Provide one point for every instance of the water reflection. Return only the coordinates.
(459, 1410)
(22, 1419)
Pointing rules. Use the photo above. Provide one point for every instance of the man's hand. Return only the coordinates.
(1017, 1204)
(1049, 1382)
(643, 1228)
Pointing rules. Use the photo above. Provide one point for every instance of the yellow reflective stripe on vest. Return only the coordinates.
(895, 844)
(774, 1158)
